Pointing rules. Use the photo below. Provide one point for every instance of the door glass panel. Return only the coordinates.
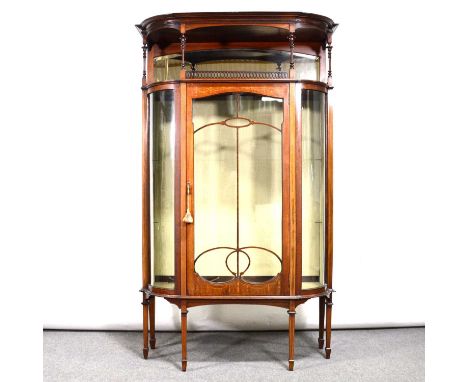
(313, 188)
(162, 152)
(238, 180)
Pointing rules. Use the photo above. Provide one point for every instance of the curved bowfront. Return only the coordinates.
(237, 161)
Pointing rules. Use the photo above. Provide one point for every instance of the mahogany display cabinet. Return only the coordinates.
(237, 164)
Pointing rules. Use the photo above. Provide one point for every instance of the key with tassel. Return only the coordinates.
(188, 216)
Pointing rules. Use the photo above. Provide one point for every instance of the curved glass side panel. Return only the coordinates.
(168, 67)
(162, 156)
(307, 67)
(237, 182)
(313, 188)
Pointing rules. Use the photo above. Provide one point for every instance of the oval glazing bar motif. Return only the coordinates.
(238, 204)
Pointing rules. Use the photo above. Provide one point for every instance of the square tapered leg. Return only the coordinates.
(321, 319)
(152, 308)
(329, 318)
(292, 327)
(183, 321)
(145, 305)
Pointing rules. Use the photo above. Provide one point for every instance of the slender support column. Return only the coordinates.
(291, 38)
(152, 308)
(183, 41)
(329, 49)
(330, 77)
(145, 47)
(183, 324)
(145, 228)
(145, 51)
(145, 305)
(292, 326)
(329, 318)
(321, 318)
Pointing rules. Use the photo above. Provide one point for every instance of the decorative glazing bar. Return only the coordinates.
(234, 74)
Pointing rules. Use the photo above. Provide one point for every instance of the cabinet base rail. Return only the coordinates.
(288, 302)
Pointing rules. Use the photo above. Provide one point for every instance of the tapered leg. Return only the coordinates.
(329, 318)
(152, 304)
(292, 324)
(183, 322)
(145, 304)
(321, 318)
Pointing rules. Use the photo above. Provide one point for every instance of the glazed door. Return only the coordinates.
(237, 189)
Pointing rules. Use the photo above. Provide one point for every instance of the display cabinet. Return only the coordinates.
(237, 164)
